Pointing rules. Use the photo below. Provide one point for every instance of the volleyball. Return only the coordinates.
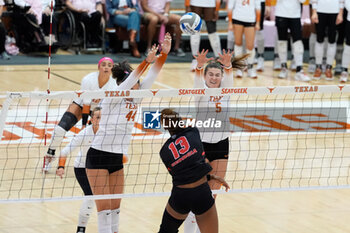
(190, 23)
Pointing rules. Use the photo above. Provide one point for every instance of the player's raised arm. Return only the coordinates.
(201, 61)
(225, 60)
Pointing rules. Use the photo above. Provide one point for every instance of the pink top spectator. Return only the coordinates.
(158, 5)
(2, 2)
(86, 4)
(35, 5)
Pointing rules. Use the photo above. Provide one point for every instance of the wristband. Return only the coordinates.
(60, 167)
(84, 118)
(166, 14)
(208, 177)
(228, 67)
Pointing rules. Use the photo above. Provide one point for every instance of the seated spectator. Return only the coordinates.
(27, 18)
(125, 13)
(90, 13)
(45, 25)
(3, 53)
(157, 11)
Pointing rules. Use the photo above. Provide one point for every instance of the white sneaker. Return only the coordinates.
(344, 77)
(283, 74)
(293, 66)
(277, 64)
(312, 66)
(300, 76)
(260, 65)
(252, 73)
(239, 74)
(193, 65)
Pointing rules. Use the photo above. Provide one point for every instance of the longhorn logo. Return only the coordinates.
(154, 92)
(79, 93)
(271, 89)
(341, 87)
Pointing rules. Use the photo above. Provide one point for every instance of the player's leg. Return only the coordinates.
(249, 33)
(214, 39)
(208, 222)
(116, 185)
(230, 40)
(298, 49)
(260, 41)
(171, 220)
(340, 44)
(346, 55)
(87, 205)
(238, 30)
(319, 47)
(68, 120)
(276, 58)
(282, 30)
(174, 19)
(332, 46)
(196, 38)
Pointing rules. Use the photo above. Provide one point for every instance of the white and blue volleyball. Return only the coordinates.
(190, 23)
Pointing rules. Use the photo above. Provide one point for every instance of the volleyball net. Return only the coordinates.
(281, 138)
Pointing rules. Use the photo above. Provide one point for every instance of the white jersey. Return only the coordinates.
(203, 3)
(2, 2)
(328, 6)
(218, 103)
(118, 115)
(90, 83)
(244, 10)
(82, 141)
(289, 8)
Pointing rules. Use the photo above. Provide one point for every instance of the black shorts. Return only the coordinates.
(262, 17)
(206, 13)
(80, 174)
(198, 199)
(219, 150)
(244, 24)
(97, 159)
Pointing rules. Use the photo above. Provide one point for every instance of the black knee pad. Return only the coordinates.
(211, 26)
(169, 223)
(68, 120)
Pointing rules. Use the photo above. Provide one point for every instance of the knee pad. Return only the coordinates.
(169, 223)
(211, 26)
(68, 120)
(86, 208)
(298, 47)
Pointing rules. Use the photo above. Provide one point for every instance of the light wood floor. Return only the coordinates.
(271, 212)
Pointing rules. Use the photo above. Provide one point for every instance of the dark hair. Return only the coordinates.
(214, 64)
(121, 71)
(96, 109)
(168, 115)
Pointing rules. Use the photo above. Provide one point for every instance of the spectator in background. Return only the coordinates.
(90, 13)
(126, 14)
(45, 25)
(3, 53)
(157, 11)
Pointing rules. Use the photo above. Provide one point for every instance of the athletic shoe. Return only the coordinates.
(344, 77)
(312, 66)
(260, 65)
(49, 157)
(328, 74)
(293, 66)
(252, 73)
(239, 74)
(179, 53)
(277, 64)
(317, 74)
(5, 56)
(284, 73)
(337, 70)
(193, 65)
(300, 76)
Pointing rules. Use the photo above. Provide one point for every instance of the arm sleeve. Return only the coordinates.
(73, 144)
(227, 80)
(199, 78)
(153, 72)
(85, 86)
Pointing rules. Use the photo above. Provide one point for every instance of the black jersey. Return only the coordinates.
(183, 155)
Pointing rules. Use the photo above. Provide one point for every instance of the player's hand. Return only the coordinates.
(202, 58)
(339, 19)
(60, 172)
(225, 58)
(151, 56)
(314, 17)
(257, 26)
(166, 45)
(220, 180)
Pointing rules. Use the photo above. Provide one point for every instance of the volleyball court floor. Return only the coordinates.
(272, 212)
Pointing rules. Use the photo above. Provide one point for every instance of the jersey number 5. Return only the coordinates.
(185, 146)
